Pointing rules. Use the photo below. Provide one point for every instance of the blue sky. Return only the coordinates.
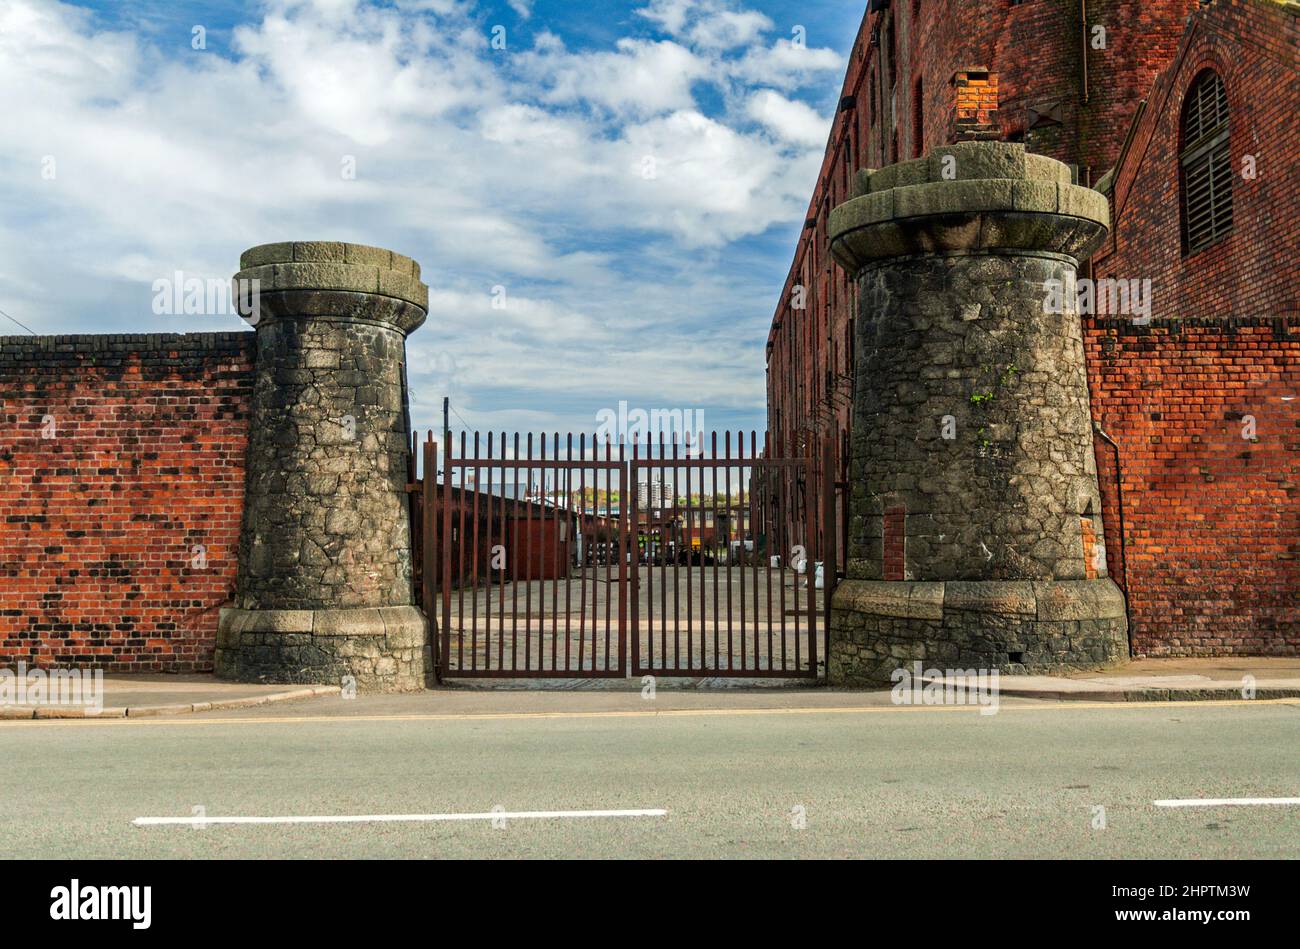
(629, 178)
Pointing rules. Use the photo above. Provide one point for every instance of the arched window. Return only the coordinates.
(1206, 164)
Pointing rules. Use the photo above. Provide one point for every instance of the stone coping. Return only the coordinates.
(334, 265)
(97, 343)
(969, 196)
(946, 216)
(326, 252)
(965, 161)
(1044, 600)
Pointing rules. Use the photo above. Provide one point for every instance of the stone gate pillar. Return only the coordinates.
(976, 536)
(324, 581)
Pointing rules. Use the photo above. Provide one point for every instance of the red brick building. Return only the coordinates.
(1100, 85)
(1242, 57)
(1034, 71)
(1203, 404)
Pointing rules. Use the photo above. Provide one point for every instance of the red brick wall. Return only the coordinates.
(100, 523)
(1141, 39)
(1252, 45)
(1035, 53)
(1211, 520)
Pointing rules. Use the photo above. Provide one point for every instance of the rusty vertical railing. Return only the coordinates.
(430, 552)
(710, 572)
(506, 545)
(737, 604)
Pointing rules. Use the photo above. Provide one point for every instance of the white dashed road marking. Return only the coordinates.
(1227, 801)
(392, 818)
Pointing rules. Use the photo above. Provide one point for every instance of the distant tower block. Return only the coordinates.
(324, 583)
(976, 536)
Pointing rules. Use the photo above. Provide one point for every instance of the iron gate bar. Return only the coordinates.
(690, 546)
(528, 554)
(473, 555)
(713, 452)
(540, 527)
(765, 510)
(445, 586)
(501, 611)
(582, 554)
(560, 535)
(830, 542)
(568, 588)
(624, 553)
(755, 521)
(676, 566)
(428, 510)
(608, 476)
(514, 560)
(782, 539)
(538, 557)
(768, 520)
(730, 641)
(459, 539)
(740, 507)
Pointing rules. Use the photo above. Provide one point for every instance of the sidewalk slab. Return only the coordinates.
(152, 695)
(1179, 680)
(147, 694)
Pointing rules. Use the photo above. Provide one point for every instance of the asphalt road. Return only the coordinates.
(875, 781)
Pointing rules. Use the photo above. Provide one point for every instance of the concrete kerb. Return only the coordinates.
(1008, 688)
(1058, 690)
(53, 712)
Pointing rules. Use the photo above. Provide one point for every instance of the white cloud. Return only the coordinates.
(787, 119)
(786, 65)
(639, 77)
(712, 24)
(708, 178)
(525, 169)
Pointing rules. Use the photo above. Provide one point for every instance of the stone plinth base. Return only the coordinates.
(1014, 626)
(384, 649)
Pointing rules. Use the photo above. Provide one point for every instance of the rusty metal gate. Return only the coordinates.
(542, 557)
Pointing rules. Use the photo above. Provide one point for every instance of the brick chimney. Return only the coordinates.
(975, 105)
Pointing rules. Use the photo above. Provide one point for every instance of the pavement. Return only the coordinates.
(1141, 680)
(753, 773)
(162, 694)
(1167, 679)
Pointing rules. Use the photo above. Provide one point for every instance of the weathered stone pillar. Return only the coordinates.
(976, 520)
(324, 587)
